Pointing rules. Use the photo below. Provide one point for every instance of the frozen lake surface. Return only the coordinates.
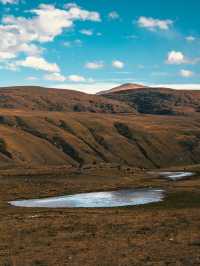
(119, 198)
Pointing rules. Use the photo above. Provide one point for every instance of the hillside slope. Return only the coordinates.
(123, 87)
(45, 99)
(56, 138)
(162, 101)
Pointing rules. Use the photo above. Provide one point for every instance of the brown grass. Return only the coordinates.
(161, 101)
(72, 139)
(157, 234)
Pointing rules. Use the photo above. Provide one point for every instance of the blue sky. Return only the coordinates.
(95, 45)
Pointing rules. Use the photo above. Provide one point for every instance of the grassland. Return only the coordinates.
(55, 143)
(82, 139)
(165, 233)
(160, 101)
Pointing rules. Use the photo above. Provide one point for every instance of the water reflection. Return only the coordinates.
(175, 176)
(118, 198)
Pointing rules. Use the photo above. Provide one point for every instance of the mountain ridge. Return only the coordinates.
(157, 100)
(41, 127)
(50, 99)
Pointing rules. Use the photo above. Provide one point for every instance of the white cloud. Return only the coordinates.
(6, 55)
(190, 38)
(153, 24)
(14, 42)
(179, 86)
(38, 63)
(176, 58)
(69, 44)
(8, 2)
(76, 78)
(186, 73)
(37, 28)
(69, 5)
(32, 78)
(55, 77)
(76, 13)
(118, 64)
(71, 78)
(114, 15)
(94, 65)
(25, 34)
(79, 79)
(86, 32)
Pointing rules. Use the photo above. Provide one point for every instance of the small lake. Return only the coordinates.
(119, 198)
(176, 176)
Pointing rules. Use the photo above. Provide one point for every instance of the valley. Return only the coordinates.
(49, 147)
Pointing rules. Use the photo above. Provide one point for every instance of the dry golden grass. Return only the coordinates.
(163, 234)
(76, 139)
(45, 99)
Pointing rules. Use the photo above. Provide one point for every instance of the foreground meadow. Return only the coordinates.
(165, 233)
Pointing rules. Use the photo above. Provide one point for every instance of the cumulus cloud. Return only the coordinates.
(14, 42)
(71, 78)
(55, 77)
(94, 65)
(86, 32)
(37, 28)
(69, 5)
(6, 55)
(153, 24)
(24, 35)
(176, 58)
(118, 64)
(186, 73)
(76, 78)
(113, 15)
(38, 63)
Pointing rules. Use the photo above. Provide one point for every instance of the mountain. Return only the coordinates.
(45, 99)
(124, 87)
(38, 138)
(41, 127)
(162, 101)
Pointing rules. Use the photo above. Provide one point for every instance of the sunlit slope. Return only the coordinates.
(45, 99)
(56, 138)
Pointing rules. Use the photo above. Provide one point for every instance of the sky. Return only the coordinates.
(92, 45)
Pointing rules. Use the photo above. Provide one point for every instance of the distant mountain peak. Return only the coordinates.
(123, 87)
